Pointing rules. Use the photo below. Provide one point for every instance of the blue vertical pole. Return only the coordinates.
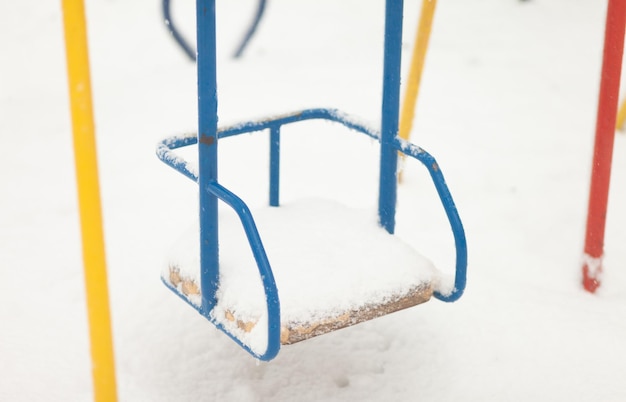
(207, 150)
(390, 114)
(274, 165)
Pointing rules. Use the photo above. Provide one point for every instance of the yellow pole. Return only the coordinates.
(621, 116)
(103, 366)
(420, 47)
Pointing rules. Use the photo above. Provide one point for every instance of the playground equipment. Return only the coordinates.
(79, 82)
(603, 146)
(188, 49)
(261, 326)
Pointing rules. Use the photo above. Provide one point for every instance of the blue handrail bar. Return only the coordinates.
(460, 242)
(265, 270)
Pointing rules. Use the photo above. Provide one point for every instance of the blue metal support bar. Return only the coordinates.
(275, 165)
(390, 115)
(207, 150)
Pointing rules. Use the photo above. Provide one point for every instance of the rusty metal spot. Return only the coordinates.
(435, 167)
(206, 139)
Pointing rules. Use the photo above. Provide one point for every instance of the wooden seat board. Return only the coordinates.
(334, 267)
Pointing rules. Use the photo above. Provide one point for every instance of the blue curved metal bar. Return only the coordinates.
(169, 23)
(265, 270)
(460, 242)
(164, 153)
(250, 32)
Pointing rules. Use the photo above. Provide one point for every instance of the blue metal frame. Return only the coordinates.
(211, 192)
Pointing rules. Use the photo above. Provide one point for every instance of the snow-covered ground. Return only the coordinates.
(507, 107)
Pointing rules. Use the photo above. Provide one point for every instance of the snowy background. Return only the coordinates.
(507, 106)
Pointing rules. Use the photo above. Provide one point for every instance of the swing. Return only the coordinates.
(268, 300)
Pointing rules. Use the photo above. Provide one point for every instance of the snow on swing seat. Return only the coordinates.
(334, 267)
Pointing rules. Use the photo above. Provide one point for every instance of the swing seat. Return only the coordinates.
(333, 265)
(319, 267)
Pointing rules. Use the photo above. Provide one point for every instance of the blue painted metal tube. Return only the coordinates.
(460, 242)
(169, 23)
(275, 165)
(164, 147)
(301, 115)
(207, 150)
(250, 32)
(265, 270)
(387, 192)
(164, 152)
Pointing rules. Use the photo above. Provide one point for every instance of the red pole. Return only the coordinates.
(603, 147)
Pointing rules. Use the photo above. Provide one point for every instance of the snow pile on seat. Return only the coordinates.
(326, 259)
